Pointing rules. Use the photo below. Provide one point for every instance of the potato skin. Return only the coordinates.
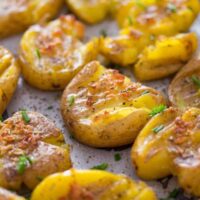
(40, 141)
(91, 184)
(98, 101)
(183, 92)
(17, 15)
(166, 57)
(158, 17)
(7, 195)
(52, 54)
(9, 75)
(176, 146)
(88, 10)
(125, 48)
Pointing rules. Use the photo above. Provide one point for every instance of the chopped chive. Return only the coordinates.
(140, 4)
(102, 166)
(25, 116)
(50, 107)
(71, 100)
(117, 157)
(196, 81)
(39, 178)
(38, 54)
(171, 7)
(130, 21)
(1, 118)
(172, 195)
(145, 92)
(157, 110)
(22, 163)
(158, 128)
(103, 33)
(152, 37)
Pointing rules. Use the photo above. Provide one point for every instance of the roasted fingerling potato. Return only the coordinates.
(170, 138)
(9, 75)
(7, 195)
(91, 11)
(91, 184)
(51, 55)
(125, 48)
(167, 56)
(17, 15)
(158, 17)
(184, 90)
(31, 148)
(103, 108)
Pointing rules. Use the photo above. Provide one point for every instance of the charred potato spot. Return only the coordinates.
(176, 146)
(107, 107)
(6, 195)
(158, 17)
(166, 57)
(30, 149)
(52, 54)
(9, 75)
(91, 184)
(17, 15)
(184, 89)
(91, 11)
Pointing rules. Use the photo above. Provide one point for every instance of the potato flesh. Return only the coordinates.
(175, 146)
(166, 57)
(6, 195)
(93, 184)
(158, 17)
(183, 92)
(17, 15)
(38, 140)
(105, 100)
(9, 75)
(58, 53)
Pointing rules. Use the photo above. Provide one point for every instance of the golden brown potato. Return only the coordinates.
(125, 48)
(169, 144)
(52, 54)
(9, 75)
(158, 17)
(166, 57)
(17, 15)
(103, 108)
(91, 184)
(6, 195)
(31, 148)
(184, 91)
(91, 11)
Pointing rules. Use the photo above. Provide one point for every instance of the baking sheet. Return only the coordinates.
(47, 103)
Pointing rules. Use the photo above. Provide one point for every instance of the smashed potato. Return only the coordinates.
(173, 140)
(52, 54)
(31, 148)
(6, 195)
(17, 15)
(125, 48)
(166, 57)
(158, 17)
(103, 108)
(9, 75)
(184, 91)
(91, 11)
(91, 184)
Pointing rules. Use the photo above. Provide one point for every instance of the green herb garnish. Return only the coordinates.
(172, 195)
(102, 166)
(196, 81)
(25, 116)
(22, 163)
(140, 4)
(157, 110)
(152, 37)
(37, 52)
(117, 157)
(1, 118)
(171, 7)
(71, 100)
(103, 33)
(130, 21)
(145, 92)
(50, 107)
(158, 128)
